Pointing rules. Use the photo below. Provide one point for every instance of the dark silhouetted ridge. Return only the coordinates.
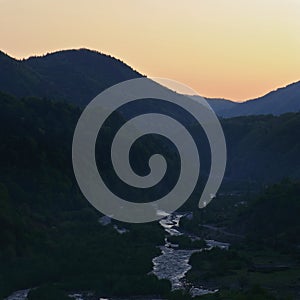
(74, 76)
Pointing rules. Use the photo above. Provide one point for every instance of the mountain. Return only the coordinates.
(280, 101)
(51, 237)
(283, 100)
(219, 105)
(75, 76)
(18, 79)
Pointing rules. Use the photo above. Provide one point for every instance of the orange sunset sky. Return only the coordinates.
(235, 49)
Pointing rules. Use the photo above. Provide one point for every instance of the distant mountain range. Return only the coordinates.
(77, 76)
(280, 101)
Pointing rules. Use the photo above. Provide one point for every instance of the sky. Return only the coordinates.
(233, 49)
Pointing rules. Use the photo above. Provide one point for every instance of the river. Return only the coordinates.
(173, 263)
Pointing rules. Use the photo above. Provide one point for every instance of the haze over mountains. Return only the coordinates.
(77, 76)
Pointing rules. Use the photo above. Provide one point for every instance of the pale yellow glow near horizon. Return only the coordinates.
(235, 49)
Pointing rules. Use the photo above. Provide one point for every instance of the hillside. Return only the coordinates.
(75, 76)
(44, 218)
(220, 105)
(263, 149)
(273, 218)
(283, 100)
(278, 102)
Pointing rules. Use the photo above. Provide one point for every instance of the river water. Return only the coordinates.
(173, 263)
(19, 295)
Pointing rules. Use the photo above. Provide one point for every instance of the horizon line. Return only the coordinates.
(22, 58)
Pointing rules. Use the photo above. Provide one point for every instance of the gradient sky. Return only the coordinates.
(236, 49)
